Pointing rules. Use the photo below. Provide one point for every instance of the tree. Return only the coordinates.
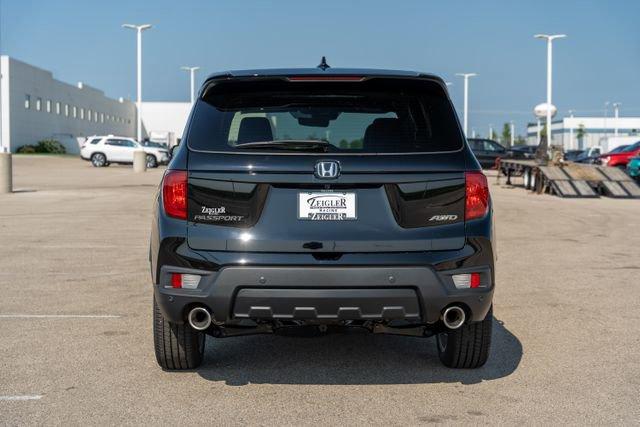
(520, 140)
(506, 133)
(581, 132)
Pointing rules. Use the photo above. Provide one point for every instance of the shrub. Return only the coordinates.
(50, 146)
(27, 149)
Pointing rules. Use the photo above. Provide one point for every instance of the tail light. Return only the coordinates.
(467, 281)
(184, 281)
(174, 193)
(476, 195)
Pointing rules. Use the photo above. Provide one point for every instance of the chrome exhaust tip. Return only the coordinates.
(453, 317)
(199, 318)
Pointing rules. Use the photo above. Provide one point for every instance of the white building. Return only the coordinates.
(577, 133)
(35, 106)
(164, 121)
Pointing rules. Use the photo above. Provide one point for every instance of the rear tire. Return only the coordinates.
(151, 161)
(468, 346)
(98, 160)
(177, 347)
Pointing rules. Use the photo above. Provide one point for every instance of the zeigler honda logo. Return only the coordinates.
(327, 206)
(326, 169)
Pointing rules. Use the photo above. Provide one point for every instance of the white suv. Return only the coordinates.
(103, 150)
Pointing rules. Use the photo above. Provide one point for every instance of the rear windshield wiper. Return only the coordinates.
(288, 144)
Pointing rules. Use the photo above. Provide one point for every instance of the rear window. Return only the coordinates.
(375, 116)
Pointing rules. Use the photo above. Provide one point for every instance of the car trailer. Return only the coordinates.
(570, 179)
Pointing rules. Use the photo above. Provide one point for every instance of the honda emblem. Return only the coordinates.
(327, 169)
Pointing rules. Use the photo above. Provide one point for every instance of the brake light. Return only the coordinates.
(325, 78)
(476, 195)
(174, 193)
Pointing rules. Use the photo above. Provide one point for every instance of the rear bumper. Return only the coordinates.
(324, 293)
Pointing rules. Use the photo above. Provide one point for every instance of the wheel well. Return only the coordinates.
(99, 152)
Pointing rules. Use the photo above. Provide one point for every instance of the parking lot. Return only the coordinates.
(76, 344)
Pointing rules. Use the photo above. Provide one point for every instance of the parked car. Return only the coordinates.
(633, 168)
(104, 150)
(522, 152)
(486, 151)
(571, 155)
(621, 158)
(323, 198)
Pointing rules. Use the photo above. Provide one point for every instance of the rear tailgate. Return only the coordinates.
(251, 203)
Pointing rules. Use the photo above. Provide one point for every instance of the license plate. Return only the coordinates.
(326, 206)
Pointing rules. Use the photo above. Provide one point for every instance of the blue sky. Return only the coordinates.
(598, 62)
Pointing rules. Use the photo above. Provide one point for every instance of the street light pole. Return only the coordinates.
(606, 113)
(616, 108)
(139, 29)
(491, 131)
(466, 98)
(571, 130)
(513, 130)
(192, 72)
(549, 39)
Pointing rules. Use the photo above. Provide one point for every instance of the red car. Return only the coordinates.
(621, 158)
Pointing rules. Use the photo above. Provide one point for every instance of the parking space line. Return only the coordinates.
(24, 397)
(58, 316)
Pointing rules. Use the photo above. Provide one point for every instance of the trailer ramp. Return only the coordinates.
(565, 185)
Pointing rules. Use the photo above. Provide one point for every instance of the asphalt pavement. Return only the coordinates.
(76, 344)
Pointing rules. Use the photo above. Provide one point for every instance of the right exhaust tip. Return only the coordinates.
(453, 317)
(199, 318)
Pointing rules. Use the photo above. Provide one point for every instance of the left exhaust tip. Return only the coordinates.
(199, 318)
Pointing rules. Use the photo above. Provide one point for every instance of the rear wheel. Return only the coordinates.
(98, 160)
(468, 346)
(178, 347)
(151, 161)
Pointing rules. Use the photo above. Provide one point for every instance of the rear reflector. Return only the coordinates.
(184, 281)
(467, 281)
(174, 193)
(476, 195)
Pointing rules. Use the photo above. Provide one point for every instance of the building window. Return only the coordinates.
(75, 112)
(48, 105)
(38, 104)
(88, 114)
(58, 108)
(101, 117)
(81, 113)
(66, 110)
(27, 101)
(95, 116)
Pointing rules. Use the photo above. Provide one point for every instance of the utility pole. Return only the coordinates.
(139, 29)
(192, 72)
(491, 131)
(466, 99)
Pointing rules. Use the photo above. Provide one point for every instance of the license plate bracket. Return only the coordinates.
(327, 206)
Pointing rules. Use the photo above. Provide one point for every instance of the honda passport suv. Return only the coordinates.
(323, 198)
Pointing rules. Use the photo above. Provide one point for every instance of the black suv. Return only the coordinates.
(323, 198)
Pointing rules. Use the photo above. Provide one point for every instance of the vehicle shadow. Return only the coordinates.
(349, 359)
